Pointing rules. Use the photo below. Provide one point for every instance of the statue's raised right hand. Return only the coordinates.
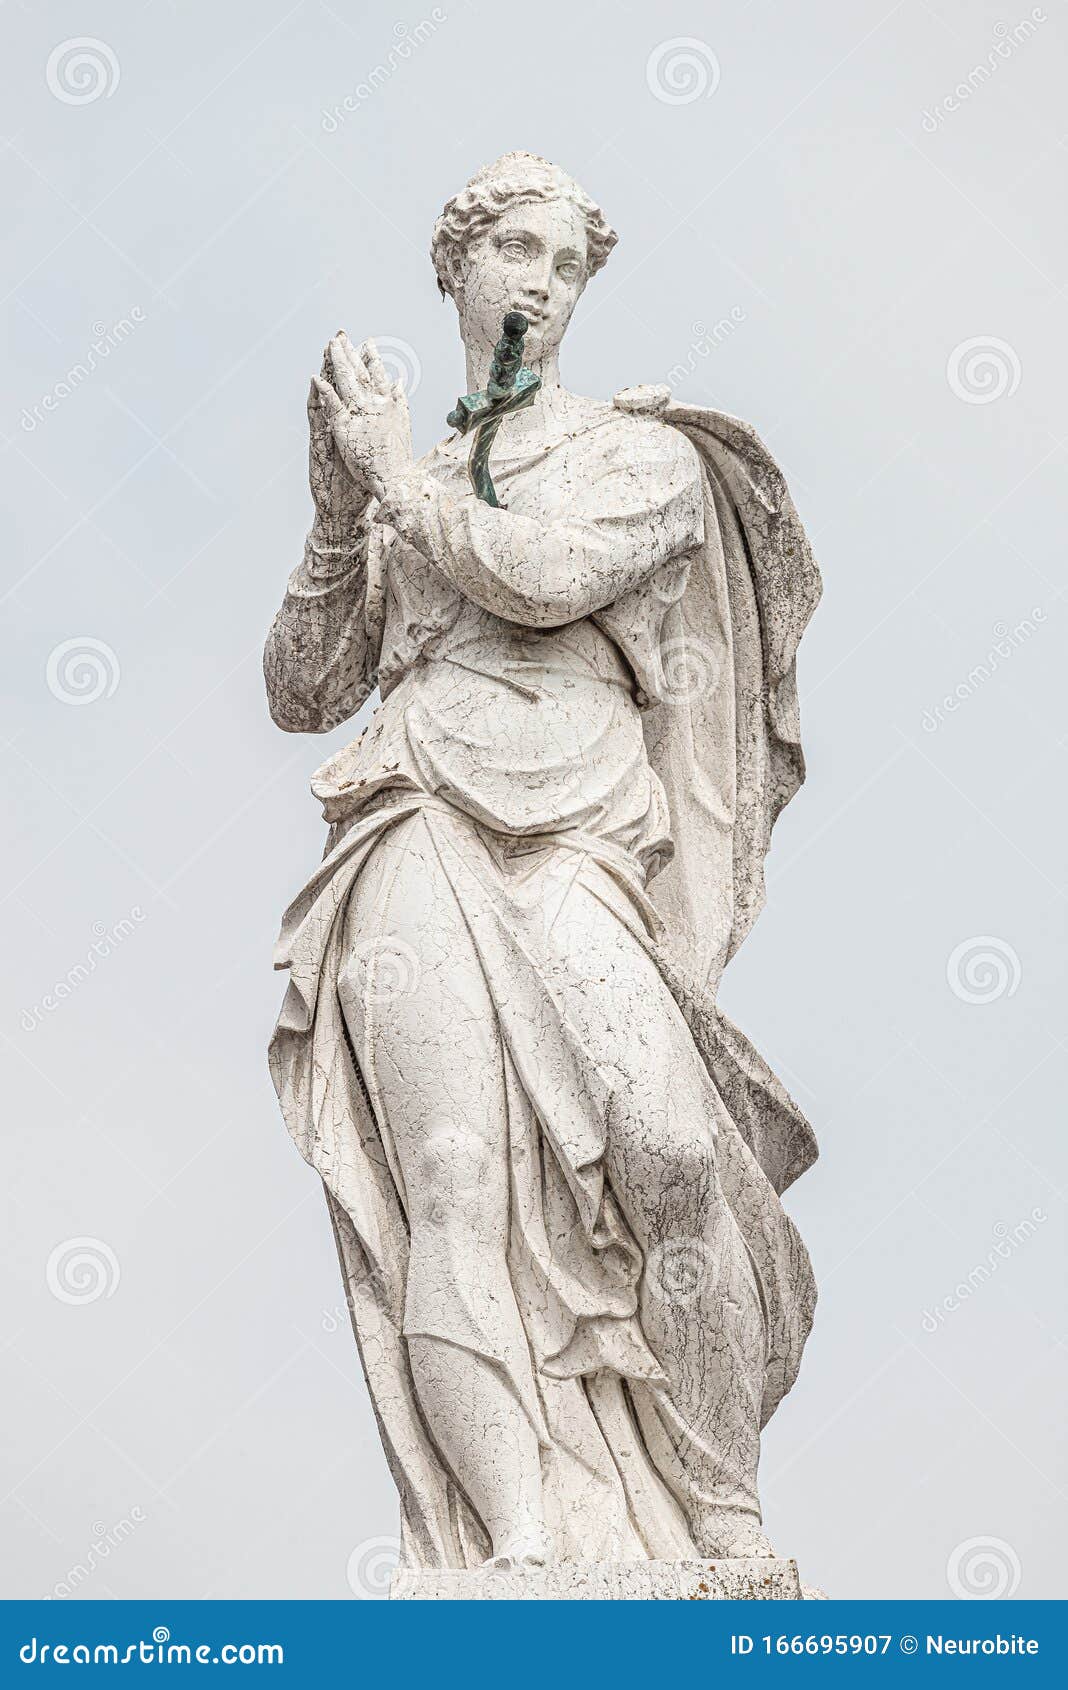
(339, 499)
(368, 414)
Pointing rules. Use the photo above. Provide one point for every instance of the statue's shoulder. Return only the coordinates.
(642, 411)
(650, 400)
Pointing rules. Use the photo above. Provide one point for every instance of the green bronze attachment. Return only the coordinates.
(511, 387)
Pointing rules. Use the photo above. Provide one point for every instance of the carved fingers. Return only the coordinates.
(337, 493)
(357, 375)
(376, 370)
(366, 413)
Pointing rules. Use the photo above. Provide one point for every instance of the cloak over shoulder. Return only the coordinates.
(725, 739)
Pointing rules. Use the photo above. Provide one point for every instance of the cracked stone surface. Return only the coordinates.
(758, 1579)
(553, 1168)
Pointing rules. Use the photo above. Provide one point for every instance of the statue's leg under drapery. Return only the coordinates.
(700, 1303)
(432, 1055)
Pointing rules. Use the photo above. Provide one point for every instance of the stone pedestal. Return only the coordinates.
(606, 1581)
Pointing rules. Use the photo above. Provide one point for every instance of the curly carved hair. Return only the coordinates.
(511, 179)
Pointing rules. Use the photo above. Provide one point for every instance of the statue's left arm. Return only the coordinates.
(644, 507)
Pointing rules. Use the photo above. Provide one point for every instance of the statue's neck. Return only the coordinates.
(550, 403)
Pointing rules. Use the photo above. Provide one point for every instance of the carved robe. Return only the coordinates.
(587, 696)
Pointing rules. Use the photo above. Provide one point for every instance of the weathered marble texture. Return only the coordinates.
(760, 1579)
(553, 1168)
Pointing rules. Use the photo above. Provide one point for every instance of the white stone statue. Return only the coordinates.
(553, 1167)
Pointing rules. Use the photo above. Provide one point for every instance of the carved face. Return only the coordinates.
(532, 259)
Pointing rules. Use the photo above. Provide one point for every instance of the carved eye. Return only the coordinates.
(513, 249)
(568, 269)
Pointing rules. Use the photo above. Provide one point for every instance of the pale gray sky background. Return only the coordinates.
(841, 221)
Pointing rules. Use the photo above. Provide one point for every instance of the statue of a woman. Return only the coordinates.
(552, 1166)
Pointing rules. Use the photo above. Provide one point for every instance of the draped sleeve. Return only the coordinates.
(320, 661)
(626, 515)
